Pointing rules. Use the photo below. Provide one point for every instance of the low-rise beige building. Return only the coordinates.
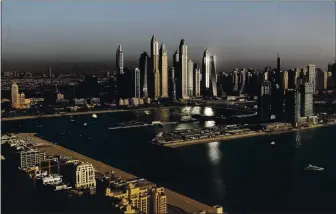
(144, 197)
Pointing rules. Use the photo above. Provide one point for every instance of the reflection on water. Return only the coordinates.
(298, 140)
(215, 156)
(196, 110)
(182, 126)
(214, 152)
(209, 123)
(208, 111)
(186, 109)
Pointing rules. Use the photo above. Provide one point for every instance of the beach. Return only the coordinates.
(175, 199)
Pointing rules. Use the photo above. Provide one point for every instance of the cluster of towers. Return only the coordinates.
(287, 95)
(183, 80)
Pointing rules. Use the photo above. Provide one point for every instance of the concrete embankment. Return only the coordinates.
(222, 138)
(207, 140)
(187, 204)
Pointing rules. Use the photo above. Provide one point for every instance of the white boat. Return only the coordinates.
(313, 168)
(85, 124)
(94, 116)
(272, 143)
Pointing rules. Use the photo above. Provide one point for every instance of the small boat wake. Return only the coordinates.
(313, 168)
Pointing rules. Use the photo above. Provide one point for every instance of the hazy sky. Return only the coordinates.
(237, 32)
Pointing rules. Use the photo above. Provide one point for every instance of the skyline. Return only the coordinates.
(249, 33)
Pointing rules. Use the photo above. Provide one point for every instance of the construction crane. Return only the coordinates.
(49, 169)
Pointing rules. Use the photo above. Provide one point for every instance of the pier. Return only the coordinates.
(175, 199)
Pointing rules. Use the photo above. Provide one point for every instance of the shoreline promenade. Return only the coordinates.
(232, 137)
(175, 199)
(83, 113)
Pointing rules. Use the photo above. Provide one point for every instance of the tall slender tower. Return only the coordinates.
(197, 81)
(312, 76)
(15, 94)
(278, 62)
(214, 75)
(182, 86)
(155, 66)
(209, 76)
(164, 70)
(120, 61)
(143, 63)
(190, 78)
(137, 85)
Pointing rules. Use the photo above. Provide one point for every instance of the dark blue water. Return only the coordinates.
(244, 175)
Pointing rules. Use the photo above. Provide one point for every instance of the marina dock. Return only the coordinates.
(175, 199)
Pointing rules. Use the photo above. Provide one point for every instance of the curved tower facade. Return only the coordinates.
(209, 76)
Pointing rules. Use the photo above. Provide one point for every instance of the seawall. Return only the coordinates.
(175, 199)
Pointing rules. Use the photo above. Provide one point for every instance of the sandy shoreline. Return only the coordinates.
(175, 199)
(222, 138)
(81, 113)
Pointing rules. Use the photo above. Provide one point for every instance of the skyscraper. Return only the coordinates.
(265, 101)
(172, 84)
(120, 61)
(143, 63)
(155, 68)
(242, 80)
(137, 83)
(285, 79)
(321, 79)
(182, 77)
(307, 99)
(197, 81)
(214, 75)
(164, 70)
(190, 78)
(15, 95)
(278, 63)
(312, 76)
(209, 76)
(293, 108)
(176, 58)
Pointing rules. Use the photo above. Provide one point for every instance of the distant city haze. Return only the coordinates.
(241, 34)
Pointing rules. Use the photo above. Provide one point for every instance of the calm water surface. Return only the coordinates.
(243, 175)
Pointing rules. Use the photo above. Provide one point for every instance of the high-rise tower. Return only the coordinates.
(278, 63)
(137, 85)
(209, 76)
(164, 71)
(190, 78)
(312, 76)
(120, 61)
(143, 63)
(155, 67)
(182, 77)
(15, 94)
(197, 80)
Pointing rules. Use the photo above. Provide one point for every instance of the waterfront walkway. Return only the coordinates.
(83, 113)
(187, 204)
(242, 135)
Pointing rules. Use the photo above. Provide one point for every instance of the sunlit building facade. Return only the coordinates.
(164, 71)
